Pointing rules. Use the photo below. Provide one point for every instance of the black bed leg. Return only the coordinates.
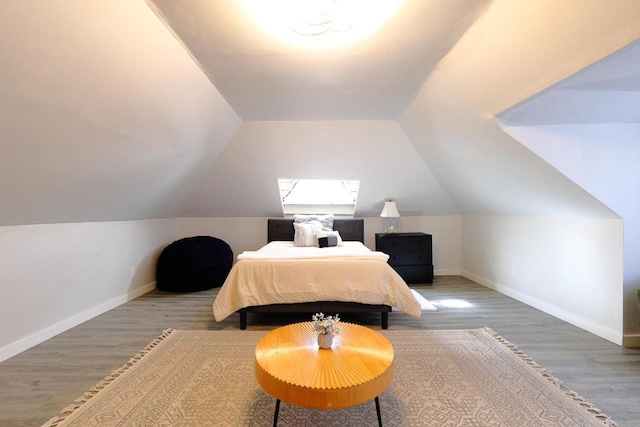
(243, 320)
(385, 319)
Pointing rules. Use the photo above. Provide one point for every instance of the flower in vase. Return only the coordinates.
(323, 325)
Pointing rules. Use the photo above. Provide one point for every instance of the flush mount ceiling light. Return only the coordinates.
(320, 16)
(320, 23)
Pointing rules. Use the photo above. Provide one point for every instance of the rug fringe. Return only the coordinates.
(597, 413)
(66, 412)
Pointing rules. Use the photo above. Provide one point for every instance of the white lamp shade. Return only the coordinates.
(390, 210)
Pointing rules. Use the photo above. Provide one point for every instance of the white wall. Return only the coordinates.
(247, 234)
(570, 268)
(242, 234)
(446, 239)
(56, 276)
(603, 158)
(485, 171)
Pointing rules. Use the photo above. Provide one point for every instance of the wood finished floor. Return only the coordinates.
(36, 384)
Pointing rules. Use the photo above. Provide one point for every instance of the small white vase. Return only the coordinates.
(325, 340)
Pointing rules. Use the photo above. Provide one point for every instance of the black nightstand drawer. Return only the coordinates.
(415, 273)
(404, 242)
(409, 258)
(410, 254)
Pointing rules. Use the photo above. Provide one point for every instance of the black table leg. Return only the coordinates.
(275, 416)
(378, 412)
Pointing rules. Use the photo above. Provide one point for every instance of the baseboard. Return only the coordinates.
(631, 340)
(607, 333)
(446, 272)
(66, 324)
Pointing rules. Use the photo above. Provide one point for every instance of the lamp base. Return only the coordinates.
(390, 225)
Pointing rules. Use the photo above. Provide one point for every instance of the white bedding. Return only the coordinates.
(280, 273)
(282, 251)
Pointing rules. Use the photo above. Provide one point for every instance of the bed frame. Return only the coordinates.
(279, 229)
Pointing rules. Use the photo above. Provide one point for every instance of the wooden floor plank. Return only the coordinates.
(37, 383)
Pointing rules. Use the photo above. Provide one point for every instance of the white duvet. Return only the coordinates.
(282, 251)
(280, 273)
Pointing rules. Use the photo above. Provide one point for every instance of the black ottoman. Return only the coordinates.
(193, 264)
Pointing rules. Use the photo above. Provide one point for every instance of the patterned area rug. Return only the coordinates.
(442, 378)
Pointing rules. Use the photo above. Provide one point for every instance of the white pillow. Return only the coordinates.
(305, 234)
(326, 221)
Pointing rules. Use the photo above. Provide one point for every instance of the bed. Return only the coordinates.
(282, 278)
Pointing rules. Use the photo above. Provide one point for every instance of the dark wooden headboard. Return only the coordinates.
(282, 229)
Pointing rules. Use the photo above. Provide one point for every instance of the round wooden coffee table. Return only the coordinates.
(291, 367)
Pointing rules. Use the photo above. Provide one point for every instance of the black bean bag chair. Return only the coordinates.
(193, 264)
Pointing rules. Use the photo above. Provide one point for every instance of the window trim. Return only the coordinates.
(287, 185)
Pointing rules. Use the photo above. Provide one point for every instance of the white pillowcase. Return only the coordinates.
(326, 221)
(305, 234)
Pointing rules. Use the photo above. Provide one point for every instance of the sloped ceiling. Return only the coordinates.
(515, 50)
(605, 92)
(103, 115)
(264, 78)
(378, 153)
(588, 127)
(127, 109)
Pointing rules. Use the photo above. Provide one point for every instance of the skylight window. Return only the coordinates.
(318, 196)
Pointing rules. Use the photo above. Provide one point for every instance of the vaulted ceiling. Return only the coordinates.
(265, 78)
(126, 109)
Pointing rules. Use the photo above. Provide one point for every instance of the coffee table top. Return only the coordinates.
(291, 367)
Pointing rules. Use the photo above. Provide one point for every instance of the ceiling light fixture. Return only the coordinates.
(320, 16)
(320, 23)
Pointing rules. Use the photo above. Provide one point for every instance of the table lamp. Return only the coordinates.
(390, 217)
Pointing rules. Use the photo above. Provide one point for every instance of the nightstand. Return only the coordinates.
(410, 254)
